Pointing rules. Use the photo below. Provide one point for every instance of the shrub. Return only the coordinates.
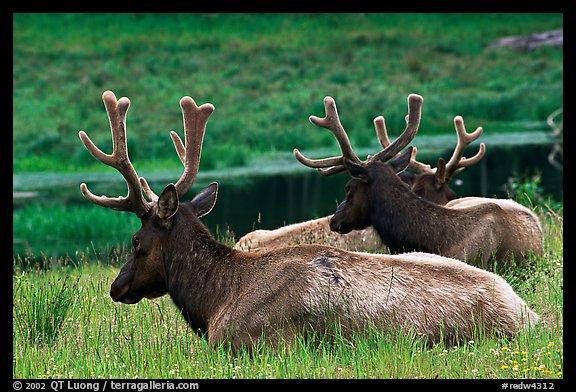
(527, 191)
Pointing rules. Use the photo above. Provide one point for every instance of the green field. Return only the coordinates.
(265, 74)
(66, 326)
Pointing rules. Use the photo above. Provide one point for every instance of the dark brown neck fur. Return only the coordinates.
(200, 276)
(405, 221)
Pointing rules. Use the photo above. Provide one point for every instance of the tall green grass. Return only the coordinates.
(98, 338)
(40, 309)
(265, 74)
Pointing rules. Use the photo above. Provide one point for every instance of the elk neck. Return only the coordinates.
(405, 221)
(200, 272)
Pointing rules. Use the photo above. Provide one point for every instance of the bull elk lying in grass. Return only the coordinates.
(238, 298)
(474, 229)
(427, 182)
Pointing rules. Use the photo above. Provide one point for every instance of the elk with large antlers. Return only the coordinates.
(237, 297)
(471, 231)
(427, 182)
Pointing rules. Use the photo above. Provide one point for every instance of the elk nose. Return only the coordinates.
(117, 292)
(334, 225)
(121, 285)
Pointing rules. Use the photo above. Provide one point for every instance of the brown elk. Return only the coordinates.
(314, 231)
(474, 231)
(238, 298)
(427, 182)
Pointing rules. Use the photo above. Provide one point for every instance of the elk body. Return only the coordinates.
(430, 183)
(474, 231)
(315, 231)
(239, 297)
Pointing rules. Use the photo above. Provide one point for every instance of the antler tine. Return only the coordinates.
(458, 162)
(556, 128)
(134, 201)
(419, 167)
(181, 150)
(381, 132)
(330, 121)
(147, 190)
(331, 170)
(414, 112)
(179, 146)
(195, 119)
(317, 163)
(384, 140)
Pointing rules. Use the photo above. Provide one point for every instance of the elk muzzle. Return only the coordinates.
(337, 221)
(120, 289)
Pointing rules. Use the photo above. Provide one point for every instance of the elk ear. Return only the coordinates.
(440, 173)
(356, 170)
(401, 162)
(168, 202)
(204, 201)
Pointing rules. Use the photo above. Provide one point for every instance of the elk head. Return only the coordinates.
(354, 212)
(144, 274)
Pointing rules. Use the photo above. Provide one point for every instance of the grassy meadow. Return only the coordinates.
(265, 74)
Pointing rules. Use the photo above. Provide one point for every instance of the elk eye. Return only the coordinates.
(135, 242)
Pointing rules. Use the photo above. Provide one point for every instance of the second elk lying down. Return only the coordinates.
(237, 297)
(315, 231)
(430, 183)
(474, 231)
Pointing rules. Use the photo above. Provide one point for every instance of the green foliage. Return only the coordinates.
(527, 191)
(265, 74)
(41, 303)
(226, 155)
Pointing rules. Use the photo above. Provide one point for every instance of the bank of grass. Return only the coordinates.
(265, 74)
(98, 338)
(40, 237)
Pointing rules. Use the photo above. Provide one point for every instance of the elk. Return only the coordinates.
(427, 182)
(475, 231)
(315, 231)
(237, 298)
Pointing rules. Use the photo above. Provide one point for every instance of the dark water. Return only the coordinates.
(271, 201)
